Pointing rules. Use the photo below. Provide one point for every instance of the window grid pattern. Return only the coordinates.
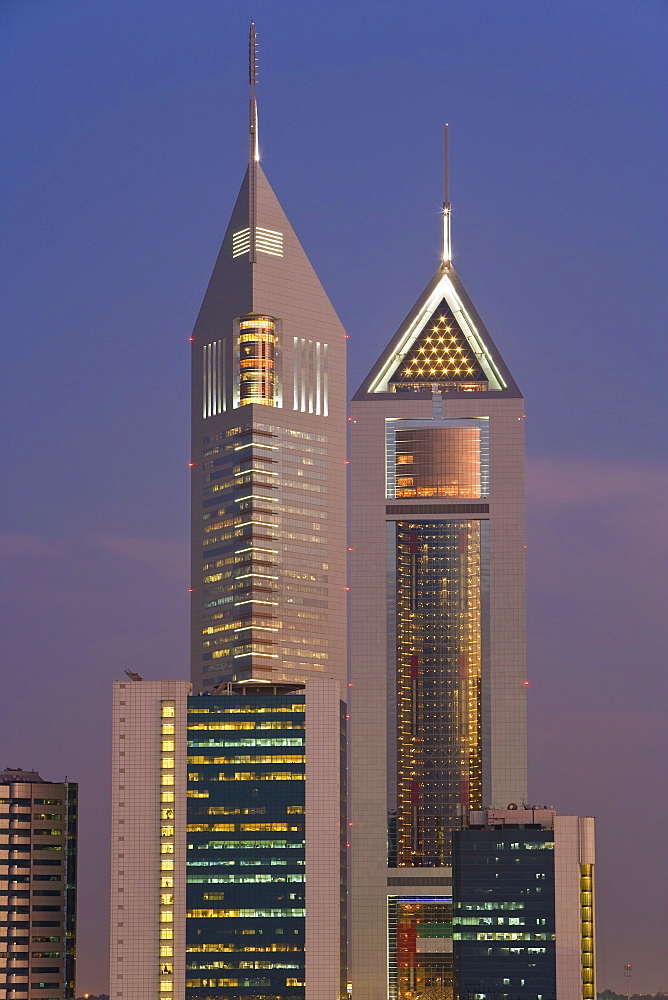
(245, 924)
(420, 947)
(438, 462)
(504, 913)
(438, 684)
(443, 457)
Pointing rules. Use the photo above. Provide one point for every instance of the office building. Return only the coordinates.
(268, 455)
(523, 907)
(438, 715)
(238, 780)
(38, 859)
(232, 887)
(148, 840)
(266, 844)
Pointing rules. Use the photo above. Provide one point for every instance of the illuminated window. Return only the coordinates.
(166, 934)
(168, 710)
(438, 685)
(441, 358)
(213, 379)
(310, 377)
(257, 360)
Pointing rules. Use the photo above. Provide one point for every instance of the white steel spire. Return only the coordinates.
(447, 235)
(253, 153)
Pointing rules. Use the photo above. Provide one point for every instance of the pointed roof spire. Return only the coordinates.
(253, 152)
(447, 235)
(442, 344)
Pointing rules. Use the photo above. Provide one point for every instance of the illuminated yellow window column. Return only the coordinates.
(167, 842)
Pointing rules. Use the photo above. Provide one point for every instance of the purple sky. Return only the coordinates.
(124, 127)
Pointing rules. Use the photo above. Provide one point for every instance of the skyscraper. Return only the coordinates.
(438, 721)
(268, 455)
(38, 862)
(228, 858)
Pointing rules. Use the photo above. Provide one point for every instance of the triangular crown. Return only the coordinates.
(442, 346)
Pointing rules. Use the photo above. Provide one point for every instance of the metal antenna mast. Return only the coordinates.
(253, 154)
(447, 236)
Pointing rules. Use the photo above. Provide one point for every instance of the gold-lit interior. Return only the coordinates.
(421, 959)
(439, 651)
(438, 462)
(440, 356)
(257, 360)
(587, 930)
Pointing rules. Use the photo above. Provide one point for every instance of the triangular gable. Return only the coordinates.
(403, 366)
(440, 354)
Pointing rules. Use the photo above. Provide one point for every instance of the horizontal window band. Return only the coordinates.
(438, 508)
(418, 880)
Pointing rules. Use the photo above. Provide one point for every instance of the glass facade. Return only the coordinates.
(239, 550)
(437, 461)
(245, 920)
(257, 360)
(420, 947)
(436, 759)
(504, 916)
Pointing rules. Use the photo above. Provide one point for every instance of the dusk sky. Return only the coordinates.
(124, 134)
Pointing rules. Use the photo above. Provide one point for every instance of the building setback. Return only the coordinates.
(438, 714)
(38, 860)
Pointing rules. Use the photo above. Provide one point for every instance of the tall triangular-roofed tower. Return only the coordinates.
(437, 715)
(268, 455)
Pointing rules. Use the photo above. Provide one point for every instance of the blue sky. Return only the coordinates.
(124, 132)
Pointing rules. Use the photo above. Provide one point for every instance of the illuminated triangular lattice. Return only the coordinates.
(440, 353)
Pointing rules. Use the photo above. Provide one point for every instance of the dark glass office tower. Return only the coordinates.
(265, 844)
(38, 862)
(523, 906)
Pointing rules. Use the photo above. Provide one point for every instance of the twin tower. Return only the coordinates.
(285, 824)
